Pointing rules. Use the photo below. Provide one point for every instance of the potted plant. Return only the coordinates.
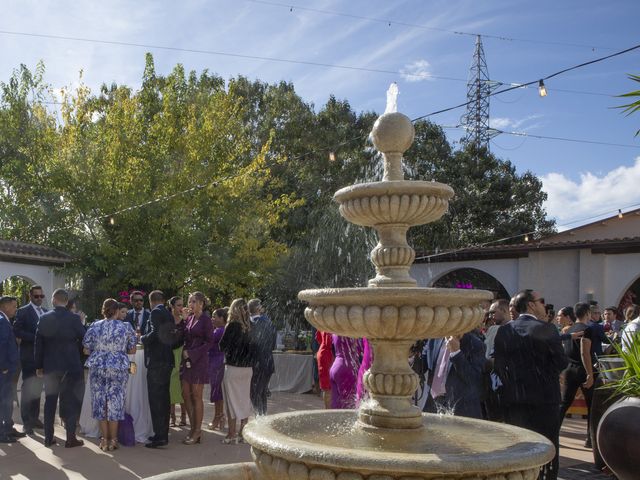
(619, 426)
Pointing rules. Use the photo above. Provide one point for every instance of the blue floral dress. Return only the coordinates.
(108, 341)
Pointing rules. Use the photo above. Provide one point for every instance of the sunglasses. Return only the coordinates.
(37, 296)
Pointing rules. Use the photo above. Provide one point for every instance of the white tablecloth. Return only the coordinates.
(293, 373)
(136, 404)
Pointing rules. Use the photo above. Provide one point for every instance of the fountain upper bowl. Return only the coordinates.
(393, 202)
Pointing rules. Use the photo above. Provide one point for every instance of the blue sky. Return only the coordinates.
(582, 180)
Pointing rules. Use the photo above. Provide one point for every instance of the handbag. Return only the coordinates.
(126, 433)
(133, 368)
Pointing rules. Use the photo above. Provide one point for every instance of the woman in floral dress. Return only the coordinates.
(108, 342)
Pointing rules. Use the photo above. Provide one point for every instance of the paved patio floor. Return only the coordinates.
(29, 459)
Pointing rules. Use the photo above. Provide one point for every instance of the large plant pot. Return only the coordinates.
(617, 438)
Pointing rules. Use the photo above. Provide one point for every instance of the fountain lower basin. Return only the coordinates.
(325, 445)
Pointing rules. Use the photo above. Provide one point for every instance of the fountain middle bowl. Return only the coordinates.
(332, 443)
(394, 313)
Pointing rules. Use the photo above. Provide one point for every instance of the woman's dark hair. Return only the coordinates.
(200, 297)
(71, 303)
(631, 312)
(568, 312)
(109, 307)
(173, 300)
(222, 313)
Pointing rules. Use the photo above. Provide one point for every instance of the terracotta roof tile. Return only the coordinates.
(21, 251)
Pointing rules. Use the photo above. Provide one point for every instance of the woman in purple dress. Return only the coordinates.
(194, 371)
(367, 359)
(216, 369)
(344, 372)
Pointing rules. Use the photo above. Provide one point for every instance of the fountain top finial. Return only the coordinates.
(392, 134)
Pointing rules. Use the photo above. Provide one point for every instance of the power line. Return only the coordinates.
(564, 139)
(389, 23)
(229, 54)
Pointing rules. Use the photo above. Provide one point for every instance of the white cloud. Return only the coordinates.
(593, 194)
(416, 71)
(523, 124)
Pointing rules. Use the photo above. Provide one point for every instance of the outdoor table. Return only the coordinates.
(293, 372)
(136, 404)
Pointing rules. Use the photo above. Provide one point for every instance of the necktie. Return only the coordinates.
(39, 310)
(442, 368)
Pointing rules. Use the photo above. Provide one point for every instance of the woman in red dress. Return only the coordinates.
(325, 360)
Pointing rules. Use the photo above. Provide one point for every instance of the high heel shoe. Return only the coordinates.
(172, 423)
(230, 440)
(193, 440)
(183, 421)
(103, 444)
(113, 445)
(217, 422)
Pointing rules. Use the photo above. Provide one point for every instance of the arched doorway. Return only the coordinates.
(17, 286)
(632, 295)
(472, 278)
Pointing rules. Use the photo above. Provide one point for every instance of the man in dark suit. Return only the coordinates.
(8, 366)
(25, 331)
(57, 357)
(263, 338)
(528, 358)
(454, 366)
(138, 316)
(159, 342)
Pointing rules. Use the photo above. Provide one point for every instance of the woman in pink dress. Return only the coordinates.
(367, 359)
(194, 371)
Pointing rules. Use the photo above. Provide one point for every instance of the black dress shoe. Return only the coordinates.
(8, 439)
(16, 433)
(38, 424)
(27, 431)
(156, 444)
(74, 442)
(152, 438)
(50, 443)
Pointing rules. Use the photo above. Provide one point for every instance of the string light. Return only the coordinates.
(620, 213)
(526, 237)
(112, 221)
(542, 90)
(332, 156)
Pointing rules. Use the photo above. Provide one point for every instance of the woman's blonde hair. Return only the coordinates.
(239, 313)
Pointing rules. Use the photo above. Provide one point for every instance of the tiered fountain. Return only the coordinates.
(388, 437)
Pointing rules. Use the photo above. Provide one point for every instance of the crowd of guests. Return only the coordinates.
(523, 366)
(185, 348)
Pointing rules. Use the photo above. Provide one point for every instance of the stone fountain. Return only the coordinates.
(388, 437)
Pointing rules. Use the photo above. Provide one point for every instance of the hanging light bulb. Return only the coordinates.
(526, 237)
(112, 221)
(620, 213)
(542, 90)
(332, 156)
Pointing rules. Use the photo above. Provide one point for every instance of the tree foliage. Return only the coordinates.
(231, 185)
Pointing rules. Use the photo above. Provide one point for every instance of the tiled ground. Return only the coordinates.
(29, 459)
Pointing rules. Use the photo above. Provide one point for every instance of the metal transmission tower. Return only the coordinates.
(479, 87)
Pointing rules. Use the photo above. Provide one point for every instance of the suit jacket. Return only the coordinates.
(25, 328)
(59, 334)
(464, 381)
(144, 321)
(529, 357)
(263, 337)
(8, 347)
(163, 336)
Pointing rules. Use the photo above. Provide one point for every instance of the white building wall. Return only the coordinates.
(563, 277)
(36, 274)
